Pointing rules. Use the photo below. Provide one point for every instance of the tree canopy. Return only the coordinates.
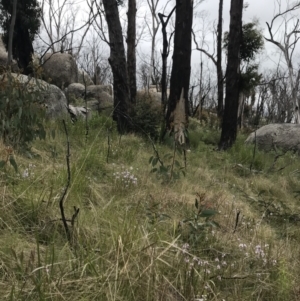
(252, 41)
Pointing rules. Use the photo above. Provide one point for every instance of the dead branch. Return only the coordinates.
(61, 201)
(203, 50)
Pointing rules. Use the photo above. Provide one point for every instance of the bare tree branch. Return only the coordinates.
(203, 50)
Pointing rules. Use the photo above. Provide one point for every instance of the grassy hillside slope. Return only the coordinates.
(227, 230)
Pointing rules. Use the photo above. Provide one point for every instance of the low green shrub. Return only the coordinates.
(21, 114)
(147, 117)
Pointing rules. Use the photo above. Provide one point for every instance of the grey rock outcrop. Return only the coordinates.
(51, 96)
(283, 136)
(78, 112)
(151, 96)
(97, 97)
(104, 101)
(75, 92)
(4, 57)
(95, 91)
(84, 78)
(60, 69)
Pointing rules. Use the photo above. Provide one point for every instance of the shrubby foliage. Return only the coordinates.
(21, 114)
(252, 41)
(147, 116)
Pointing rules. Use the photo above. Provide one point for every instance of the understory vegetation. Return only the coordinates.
(213, 226)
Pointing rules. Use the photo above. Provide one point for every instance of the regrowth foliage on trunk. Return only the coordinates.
(180, 76)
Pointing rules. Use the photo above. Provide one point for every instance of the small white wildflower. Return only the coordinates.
(185, 247)
(25, 173)
(47, 270)
(257, 248)
(259, 251)
(242, 246)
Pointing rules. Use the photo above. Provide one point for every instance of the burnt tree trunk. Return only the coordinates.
(164, 56)
(131, 43)
(11, 32)
(219, 62)
(117, 61)
(177, 113)
(229, 124)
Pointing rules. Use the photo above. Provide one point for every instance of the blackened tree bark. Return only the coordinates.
(27, 22)
(117, 61)
(131, 45)
(164, 56)
(177, 113)
(23, 49)
(229, 124)
(219, 61)
(11, 32)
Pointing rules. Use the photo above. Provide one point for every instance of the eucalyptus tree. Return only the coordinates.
(287, 45)
(11, 32)
(220, 107)
(153, 30)
(27, 24)
(178, 105)
(117, 60)
(229, 123)
(131, 48)
(164, 54)
(252, 43)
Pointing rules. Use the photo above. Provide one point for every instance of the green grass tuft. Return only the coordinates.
(227, 230)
